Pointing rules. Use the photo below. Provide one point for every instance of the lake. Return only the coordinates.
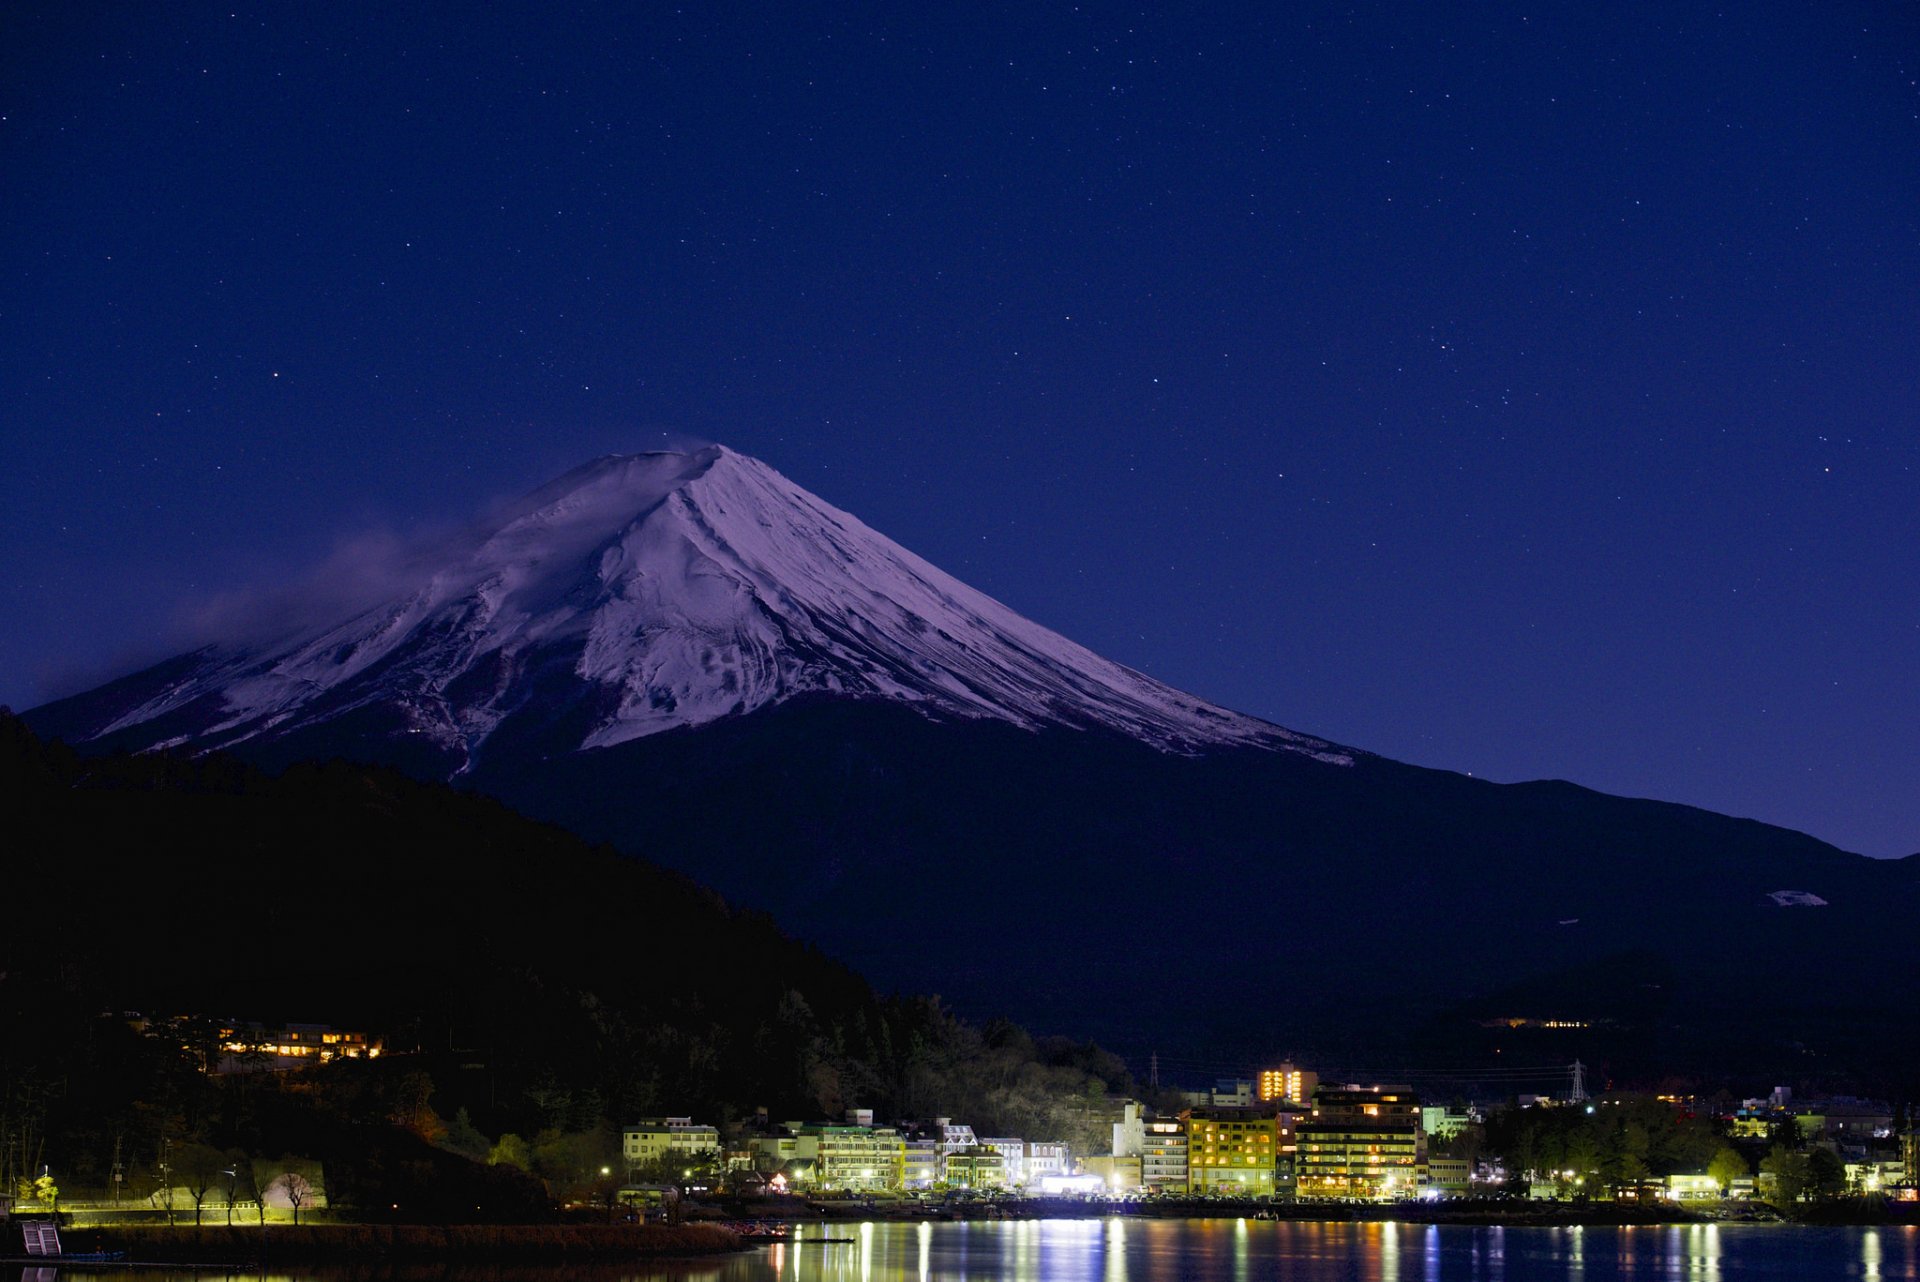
(1148, 1250)
(1133, 1250)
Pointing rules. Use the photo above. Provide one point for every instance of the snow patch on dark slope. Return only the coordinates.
(677, 589)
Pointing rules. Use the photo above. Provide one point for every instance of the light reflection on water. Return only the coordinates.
(1147, 1250)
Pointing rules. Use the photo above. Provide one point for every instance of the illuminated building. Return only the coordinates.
(1231, 1151)
(921, 1164)
(1163, 1155)
(1360, 1143)
(978, 1167)
(669, 1140)
(942, 1138)
(1046, 1158)
(1691, 1188)
(954, 1138)
(1288, 1082)
(1287, 1118)
(247, 1048)
(1444, 1123)
(1128, 1132)
(1755, 1126)
(857, 1157)
(1233, 1092)
(782, 1151)
(1013, 1160)
(1871, 1177)
(1446, 1177)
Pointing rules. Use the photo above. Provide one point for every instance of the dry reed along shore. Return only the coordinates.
(218, 1244)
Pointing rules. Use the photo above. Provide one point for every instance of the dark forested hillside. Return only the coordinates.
(544, 988)
(1242, 903)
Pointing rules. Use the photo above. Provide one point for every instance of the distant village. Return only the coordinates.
(1280, 1135)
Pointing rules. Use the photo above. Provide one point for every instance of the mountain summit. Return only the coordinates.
(640, 593)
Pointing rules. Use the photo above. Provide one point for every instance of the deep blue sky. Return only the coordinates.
(1525, 389)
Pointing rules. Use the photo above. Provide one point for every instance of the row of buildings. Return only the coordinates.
(1281, 1134)
(853, 1155)
(1348, 1142)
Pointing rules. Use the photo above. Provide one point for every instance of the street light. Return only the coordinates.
(233, 1178)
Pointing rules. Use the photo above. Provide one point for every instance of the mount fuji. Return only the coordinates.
(689, 657)
(644, 593)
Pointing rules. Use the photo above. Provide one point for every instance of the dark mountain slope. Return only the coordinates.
(523, 962)
(1244, 900)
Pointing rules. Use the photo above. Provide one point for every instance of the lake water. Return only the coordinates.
(1129, 1250)
(1137, 1250)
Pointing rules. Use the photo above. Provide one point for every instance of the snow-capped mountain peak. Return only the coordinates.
(645, 592)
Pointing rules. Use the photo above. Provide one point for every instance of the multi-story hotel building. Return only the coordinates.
(1231, 1151)
(1163, 1155)
(1288, 1082)
(673, 1139)
(857, 1157)
(979, 1167)
(1361, 1143)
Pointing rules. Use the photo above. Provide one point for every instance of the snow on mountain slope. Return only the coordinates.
(673, 589)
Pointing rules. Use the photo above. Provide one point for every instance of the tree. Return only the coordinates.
(1826, 1173)
(510, 1150)
(292, 1188)
(165, 1168)
(40, 1189)
(202, 1037)
(1787, 1173)
(1726, 1167)
(570, 1161)
(292, 1182)
(1584, 1158)
(464, 1138)
(411, 1108)
(238, 1173)
(1468, 1142)
(1631, 1145)
(201, 1169)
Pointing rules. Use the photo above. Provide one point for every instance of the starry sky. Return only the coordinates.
(1523, 389)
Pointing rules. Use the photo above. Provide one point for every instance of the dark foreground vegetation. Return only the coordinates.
(310, 1243)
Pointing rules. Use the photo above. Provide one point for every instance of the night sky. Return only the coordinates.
(1531, 390)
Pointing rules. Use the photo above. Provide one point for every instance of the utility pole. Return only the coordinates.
(119, 1173)
(166, 1174)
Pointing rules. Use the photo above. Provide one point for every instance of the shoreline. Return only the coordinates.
(219, 1247)
(216, 1245)
(1477, 1212)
